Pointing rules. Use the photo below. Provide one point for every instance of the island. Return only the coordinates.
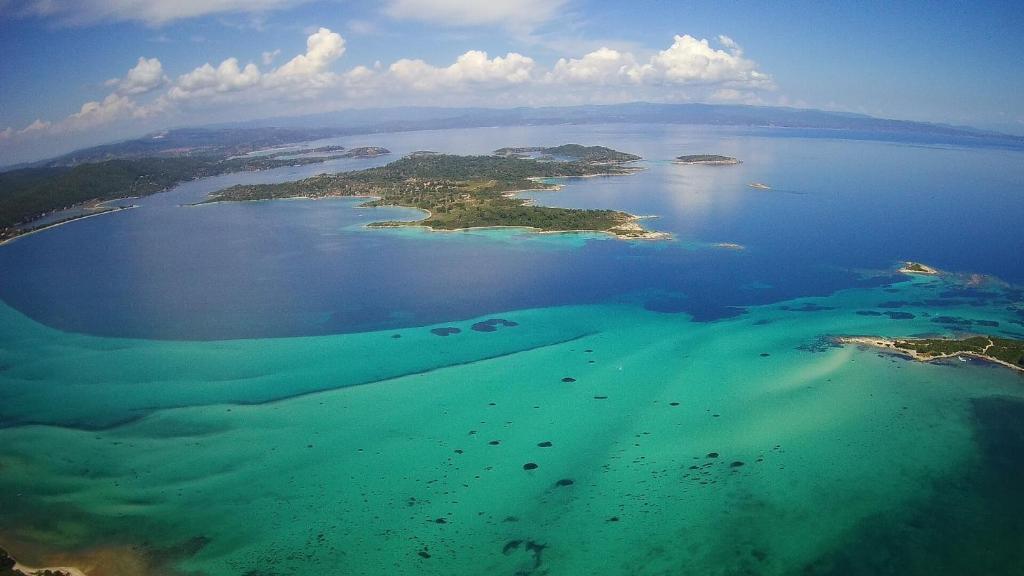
(707, 160)
(461, 192)
(917, 268)
(577, 152)
(759, 186)
(1002, 351)
(365, 152)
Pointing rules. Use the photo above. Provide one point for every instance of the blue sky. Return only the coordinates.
(65, 80)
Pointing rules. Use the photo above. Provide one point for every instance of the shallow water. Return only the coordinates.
(338, 432)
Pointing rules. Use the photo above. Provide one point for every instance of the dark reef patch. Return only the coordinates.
(564, 482)
(868, 313)
(446, 331)
(492, 325)
(530, 466)
(568, 379)
(808, 307)
(900, 315)
(544, 444)
(819, 344)
(529, 547)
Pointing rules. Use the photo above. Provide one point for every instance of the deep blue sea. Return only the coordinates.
(838, 208)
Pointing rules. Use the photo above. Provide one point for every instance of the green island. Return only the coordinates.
(28, 194)
(917, 268)
(577, 152)
(707, 159)
(1002, 351)
(460, 192)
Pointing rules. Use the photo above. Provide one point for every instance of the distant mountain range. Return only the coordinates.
(241, 137)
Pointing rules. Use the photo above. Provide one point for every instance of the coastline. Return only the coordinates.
(708, 163)
(890, 346)
(63, 222)
(641, 233)
(629, 230)
(9, 565)
(918, 269)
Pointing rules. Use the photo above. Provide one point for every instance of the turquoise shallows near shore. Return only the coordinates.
(371, 454)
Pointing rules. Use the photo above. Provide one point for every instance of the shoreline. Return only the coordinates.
(642, 233)
(917, 269)
(19, 569)
(708, 163)
(63, 222)
(628, 230)
(890, 346)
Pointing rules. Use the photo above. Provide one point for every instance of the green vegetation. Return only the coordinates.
(713, 159)
(29, 193)
(1004, 349)
(365, 152)
(458, 191)
(578, 152)
(219, 142)
(917, 268)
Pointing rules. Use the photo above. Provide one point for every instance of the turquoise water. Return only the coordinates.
(378, 446)
(353, 478)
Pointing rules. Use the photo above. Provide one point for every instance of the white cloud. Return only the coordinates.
(690, 70)
(322, 48)
(146, 76)
(471, 68)
(268, 57)
(207, 80)
(304, 76)
(517, 14)
(92, 114)
(602, 66)
(152, 12)
(37, 126)
(693, 61)
(730, 44)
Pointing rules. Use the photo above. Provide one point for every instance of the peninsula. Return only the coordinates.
(707, 160)
(1002, 351)
(460, 192)
(30, 194)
